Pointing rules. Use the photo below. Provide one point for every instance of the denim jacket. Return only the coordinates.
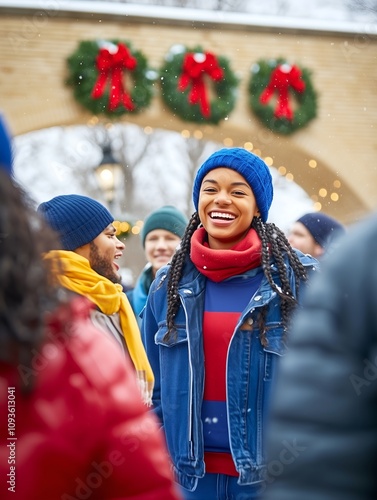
(180, 364)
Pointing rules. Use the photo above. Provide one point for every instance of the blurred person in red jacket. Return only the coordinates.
(72, 421)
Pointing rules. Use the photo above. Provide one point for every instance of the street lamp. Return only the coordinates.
(107, 174)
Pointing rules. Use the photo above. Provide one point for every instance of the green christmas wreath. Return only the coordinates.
(282, 95)
(109, 77)
(198, 86)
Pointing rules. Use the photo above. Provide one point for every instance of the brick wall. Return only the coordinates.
(34, 46)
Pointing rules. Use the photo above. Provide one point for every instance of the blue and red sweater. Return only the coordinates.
(224, 302)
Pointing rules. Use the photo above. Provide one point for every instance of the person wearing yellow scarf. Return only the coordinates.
(84, 264)
(74, 273)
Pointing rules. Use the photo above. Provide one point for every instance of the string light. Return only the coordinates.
(269, 161)
(334, 196)
(248, 145)
(123, 228)
(312, 164)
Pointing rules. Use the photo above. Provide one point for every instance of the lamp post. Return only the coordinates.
(107, 174)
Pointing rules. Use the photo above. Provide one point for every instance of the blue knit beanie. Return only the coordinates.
(168, 218)
(322, 227)
(6, 157)
(77, 219)
(249, 165)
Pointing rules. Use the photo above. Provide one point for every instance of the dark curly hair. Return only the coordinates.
(274, 245)
(27, 292)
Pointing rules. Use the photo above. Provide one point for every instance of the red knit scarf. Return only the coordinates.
(217, 265)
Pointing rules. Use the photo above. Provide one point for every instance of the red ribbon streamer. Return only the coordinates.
(194, 67)
(110, 66)
(282, 78)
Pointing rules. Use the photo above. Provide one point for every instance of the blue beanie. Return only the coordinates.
(77, 219)
(250, 166)
(322, 227)
(6, 157)
(168, 218)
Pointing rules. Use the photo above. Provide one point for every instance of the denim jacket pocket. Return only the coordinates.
(275, 348)
(178, 337)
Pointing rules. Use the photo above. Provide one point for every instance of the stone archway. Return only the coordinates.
(64, 160)
(341, 141)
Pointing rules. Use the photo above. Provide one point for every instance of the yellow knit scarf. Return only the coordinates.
(74, 273)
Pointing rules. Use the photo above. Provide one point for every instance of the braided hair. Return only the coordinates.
(274, 244)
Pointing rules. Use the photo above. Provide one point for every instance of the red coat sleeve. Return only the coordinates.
(83, 431)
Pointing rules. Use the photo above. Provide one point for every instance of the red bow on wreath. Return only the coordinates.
(194, 67)
(110, 64)
(282, 78)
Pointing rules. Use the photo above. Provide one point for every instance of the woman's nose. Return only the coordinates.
(223, 198)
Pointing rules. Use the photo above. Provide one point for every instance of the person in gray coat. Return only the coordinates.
(322, 433)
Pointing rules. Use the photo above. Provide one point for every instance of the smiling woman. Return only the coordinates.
(226, 207)
(214, 319)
